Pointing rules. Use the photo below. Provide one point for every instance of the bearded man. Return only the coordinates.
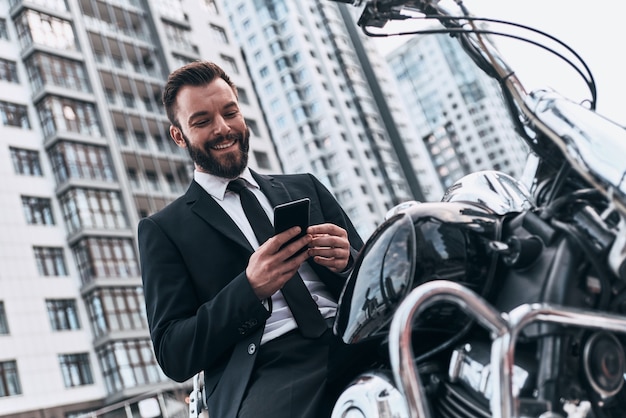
(216, 293)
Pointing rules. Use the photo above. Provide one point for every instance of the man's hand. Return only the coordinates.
(329, 246)
(270, 267)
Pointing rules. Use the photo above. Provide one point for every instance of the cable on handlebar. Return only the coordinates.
(586, 75)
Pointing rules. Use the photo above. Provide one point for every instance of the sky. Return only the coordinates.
(596, 30)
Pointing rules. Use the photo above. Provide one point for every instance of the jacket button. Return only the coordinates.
(251, 348)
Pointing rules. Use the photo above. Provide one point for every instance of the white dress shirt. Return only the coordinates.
(281, 320)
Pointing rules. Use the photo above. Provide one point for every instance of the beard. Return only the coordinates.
(228, 166)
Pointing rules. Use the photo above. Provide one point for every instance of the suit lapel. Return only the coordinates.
(203, 205)
(272, 188)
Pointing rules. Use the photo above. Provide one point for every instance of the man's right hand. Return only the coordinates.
(271, 266)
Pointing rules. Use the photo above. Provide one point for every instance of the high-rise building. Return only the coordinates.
(84, 154)
(331, 105)
(460, 111)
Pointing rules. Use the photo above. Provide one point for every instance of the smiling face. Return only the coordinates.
(212, 128)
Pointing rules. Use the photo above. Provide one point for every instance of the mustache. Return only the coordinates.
(236, 136)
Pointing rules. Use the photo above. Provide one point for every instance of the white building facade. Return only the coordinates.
(85, 153)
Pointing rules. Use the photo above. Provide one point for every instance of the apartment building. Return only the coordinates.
(460, 109)
(84, 154)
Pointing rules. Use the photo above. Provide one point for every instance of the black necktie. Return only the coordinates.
(304, 309)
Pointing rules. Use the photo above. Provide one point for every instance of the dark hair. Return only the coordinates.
(197, 73)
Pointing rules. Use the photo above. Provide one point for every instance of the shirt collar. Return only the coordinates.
(216, 186)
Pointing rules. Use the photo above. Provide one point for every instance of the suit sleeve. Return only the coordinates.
(189, 336)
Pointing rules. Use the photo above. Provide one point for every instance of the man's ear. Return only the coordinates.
(177, 136)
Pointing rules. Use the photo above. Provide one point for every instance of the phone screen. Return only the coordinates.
(291, 214)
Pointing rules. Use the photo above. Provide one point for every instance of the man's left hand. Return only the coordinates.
(330, 246)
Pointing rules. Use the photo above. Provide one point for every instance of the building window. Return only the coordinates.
(38, 210)
(80, 161)
(243, 95)
(211, 6)
(282, 63)
(218, 34)
(105, 258)
(262, 160)
(14, 115)
(50, 261)
(172, 9)
(4, 323)
(9, 379)
(180, 60)
(127, 364)
(87, 208)
(179, 37)
(26, 162)
(52, 70)
(8, 71)
(58, 114)
(129, 100)
(141, 139)
(117, 309)
(153, 181)
(4, 34)
(75, 369)
(254, 128)
(63, 314)
(38, 28)
(229, 64)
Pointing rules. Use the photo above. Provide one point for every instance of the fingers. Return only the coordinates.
(326, 229)
(273, 263)
(329, 246)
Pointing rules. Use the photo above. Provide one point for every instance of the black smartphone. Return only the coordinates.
(295, 213)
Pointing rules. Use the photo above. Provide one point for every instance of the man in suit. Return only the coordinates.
(213, 292)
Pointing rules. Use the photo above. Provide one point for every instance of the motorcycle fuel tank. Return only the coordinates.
(420, 243)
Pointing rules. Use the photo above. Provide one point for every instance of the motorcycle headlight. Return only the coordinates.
(427, 241)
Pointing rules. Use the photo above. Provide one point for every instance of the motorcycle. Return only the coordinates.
(504, 299)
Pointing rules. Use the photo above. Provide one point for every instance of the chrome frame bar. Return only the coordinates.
(504, 328)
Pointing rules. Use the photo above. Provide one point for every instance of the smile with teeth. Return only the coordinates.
(225, 145)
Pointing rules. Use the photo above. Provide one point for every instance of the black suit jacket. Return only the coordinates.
(201, 309)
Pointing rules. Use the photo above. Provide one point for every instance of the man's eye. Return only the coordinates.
(201, 123)
(231, 114)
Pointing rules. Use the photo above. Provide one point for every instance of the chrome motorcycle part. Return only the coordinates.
(492, 189)
(399, 208)
(504, 329)
(471, 366)
(604, 364)
(371, 395)
(401, 349)
(594, 146)
(197, 400)
(429, 241)
(617, 255)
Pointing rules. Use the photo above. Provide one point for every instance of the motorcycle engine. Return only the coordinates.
(491, 237)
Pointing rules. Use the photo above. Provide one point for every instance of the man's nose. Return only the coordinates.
(221, 127)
